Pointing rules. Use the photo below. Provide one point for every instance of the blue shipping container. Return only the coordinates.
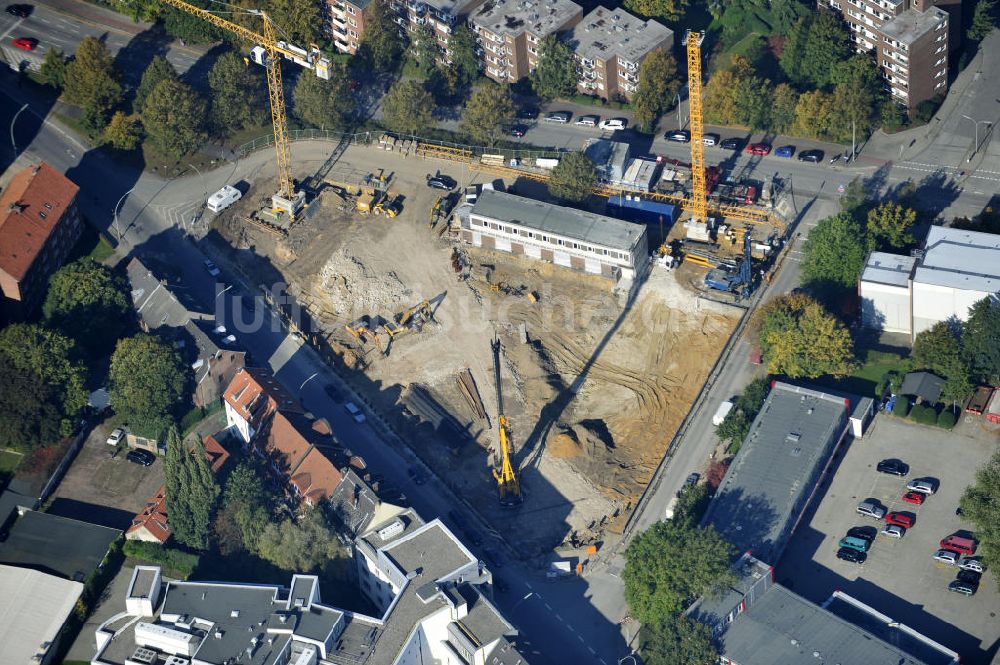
(636, 209)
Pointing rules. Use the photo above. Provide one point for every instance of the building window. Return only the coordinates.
(353, 22)
(350, 10)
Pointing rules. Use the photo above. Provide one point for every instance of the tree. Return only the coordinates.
(657, 88)
(981, 341)
(856, 98)
(53, 69)
(677, 640)
(827, 45)
(981, 506)
(784, 101)
(889, 225)
(123, 131)
(462, 44)
(159, 69)
(237, 94)
(245, 508)
(192, 491)
(489, 110)
(408, 107)
(834, 253)
(983, 20)
(301, 546)
(800, 338)
(736, 425)
(299, 19)
(753, 102)
(92, 83)
(939, 349)
(193, 29)
(324, 104)
(556, 73)
(794, 49)
(381, 44)
(174, 118)
(671, 10)
(671, 564)
(147, 380)
(573, 178)
(89, 301)
(721, 94)
(812, 114)
(51, 358)
(424, 49)
(29, 412)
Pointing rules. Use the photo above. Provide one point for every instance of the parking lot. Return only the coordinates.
(900, 578)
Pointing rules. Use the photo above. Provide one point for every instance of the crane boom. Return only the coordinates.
(508, 485)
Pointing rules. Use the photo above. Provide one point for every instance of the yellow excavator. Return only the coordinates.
(508, 484)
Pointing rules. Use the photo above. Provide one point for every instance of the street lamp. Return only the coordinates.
(975, 147)
(12, 121)
(308, 380)
(118, 229)
(677, 100)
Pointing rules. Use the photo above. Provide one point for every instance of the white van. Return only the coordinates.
(223, 198)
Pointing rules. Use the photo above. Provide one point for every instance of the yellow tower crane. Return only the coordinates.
(508, 484)
(268, 51)
(699, 193)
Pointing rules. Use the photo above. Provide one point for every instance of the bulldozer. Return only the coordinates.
(389, 206)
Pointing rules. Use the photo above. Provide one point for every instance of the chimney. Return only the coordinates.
(36, 168)
(16, 207)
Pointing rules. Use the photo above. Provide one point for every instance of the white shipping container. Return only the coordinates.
(722, 412)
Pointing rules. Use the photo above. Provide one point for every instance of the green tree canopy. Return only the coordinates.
(89, 301)
(573, 178)
(677, 640)
(890, 225)
(53, 69)
(981, 341)
(671, 10)
(801, 339)
(174, 118)
(408, 107)
(299, 19)
(834, 253)
(939, 349)
(424, 50)
(981, 506)
(827, 45)
(671, 564)
(158, 70)
(29, 411)
(736, 425)
(488, 112)
(324, 104)
(123, 131)
(51, 358)
(784, 101)
(984, 19)
(301, 546)
(657, 88)
(556, 73)
(237, 93)
(92, 83)
(148, 380)
(381, 45)
(192, 491)
(462, 44)
(794, 49)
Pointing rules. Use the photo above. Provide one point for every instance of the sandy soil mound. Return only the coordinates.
(353, 287)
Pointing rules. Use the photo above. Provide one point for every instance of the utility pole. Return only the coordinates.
(854, 138)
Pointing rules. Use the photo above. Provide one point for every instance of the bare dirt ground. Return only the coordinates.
(593, 395)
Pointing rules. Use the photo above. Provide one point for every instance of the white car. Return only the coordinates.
(355, 412)
(946, 556)
(893, 531)
(612, 124)
(974, 565)
(589, 120)
(922, 485)
(116, 436)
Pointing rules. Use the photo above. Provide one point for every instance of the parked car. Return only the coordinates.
(916, 498)
(959, 544)
(758, 149)
(588, 120)
(964, 588)
(211, 268)
(893, 531)
(692, 479)
(946, 556)
(517, 131)
(731, 144)
(116, 436)
(333, 392)
(355, 412)
(441, 182)
(854, 556)
(863, 532)
(141, 457)
(678, 136)
(614, 124)
(872, 508)
(859, 544)
(902, 519)
(20, 11)
(710, 139)
(562, 117)
(893, 467)
(25, 43)
(970, 576)
(785, 151)
(925, 485)
(972, 564)
(814, 156)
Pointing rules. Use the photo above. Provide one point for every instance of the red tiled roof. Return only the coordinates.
(153, 517)
(316, 477)
(289, 443)
(30, 208)
(254, 393)
(216, 454)
(284, 444)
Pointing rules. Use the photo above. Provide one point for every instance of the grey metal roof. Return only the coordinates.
(33, 608)
(789, 442)
(960, 259)
(566, 222)
(505, 653)
(483, 621)
(911, 25)
(750, 573)
(924, 385)
(891, 269)
(512, 17)
(57, 545)
(604, 33)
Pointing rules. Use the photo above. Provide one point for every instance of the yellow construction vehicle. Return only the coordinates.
(508, 484)
(389, 206)
(268, 51)
(358, 328)
(367, 201)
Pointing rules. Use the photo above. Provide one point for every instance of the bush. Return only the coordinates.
(902, 407)
(177, 561)
(947, 419)
(924, 414)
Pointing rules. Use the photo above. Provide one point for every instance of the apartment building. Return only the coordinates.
(509, 32)
(910, 39)
(39, 224)
(610, 45)
(442, 15)
(346, 23)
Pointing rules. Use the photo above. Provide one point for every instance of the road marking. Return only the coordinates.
(579, 637)
(527, 584)
(591, 649)
(548, 607)
(604, 661)
(11, 28)
(559, 617)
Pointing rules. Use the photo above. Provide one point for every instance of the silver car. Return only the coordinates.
(893, 531)
(872, 508)
(946, 556)
(974, 565)
(588, 120)
(922, 485)
(558, 116)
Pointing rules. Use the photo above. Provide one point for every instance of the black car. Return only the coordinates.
(20, 11)
(141, 457)
(333, 392)
(893, 467)
(867, 533)
(441, 182)
(814, 156)
(854, 556)
(731, 144)
(969, 577)
(517, 131)
(678, 136)
(964, 588)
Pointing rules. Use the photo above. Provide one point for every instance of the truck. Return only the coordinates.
(979, 400)
(558, 569)
(637, 209)
(992, 412)
(722, 412)
(668, 514)
(223, 198)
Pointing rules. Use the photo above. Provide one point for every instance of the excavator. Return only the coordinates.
(508, 484)
(412, 318)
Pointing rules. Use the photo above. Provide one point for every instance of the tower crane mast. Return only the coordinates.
(699, 190)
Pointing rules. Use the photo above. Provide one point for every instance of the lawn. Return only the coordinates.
(9, 460)
(869, 378)
(91, 245)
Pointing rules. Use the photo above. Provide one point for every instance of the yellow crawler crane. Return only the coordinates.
(268, 51)
(508, 484)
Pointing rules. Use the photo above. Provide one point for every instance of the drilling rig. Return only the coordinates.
(508, 484)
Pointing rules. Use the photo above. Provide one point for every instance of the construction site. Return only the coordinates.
(531, 388)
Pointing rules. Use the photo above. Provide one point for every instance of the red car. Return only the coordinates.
(25, 43)
(914, 497)
(900, 519)
(758, 148)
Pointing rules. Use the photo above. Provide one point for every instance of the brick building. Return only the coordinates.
(347, 23)
(509, 33)
(39, 224)
(442, 15)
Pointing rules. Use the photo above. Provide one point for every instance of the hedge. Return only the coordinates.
(947, 419)
(902, 407)
(177, 561)
(924, 414)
